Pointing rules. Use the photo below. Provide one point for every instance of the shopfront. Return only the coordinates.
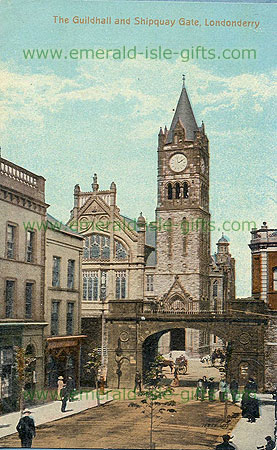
(63, 359)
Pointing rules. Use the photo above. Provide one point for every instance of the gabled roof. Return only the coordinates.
(185, 114)
(56, 225)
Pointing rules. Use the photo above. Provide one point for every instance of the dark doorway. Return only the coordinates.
(178, 339)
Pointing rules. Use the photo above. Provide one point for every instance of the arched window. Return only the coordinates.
(105, 247)
(275, 278)
(177, 190)
(185, 190)
(120, 251)
(215, 288)
(120, 284)
(169, 191)
(95, 246)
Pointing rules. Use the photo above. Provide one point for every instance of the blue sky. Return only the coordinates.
(67, 119)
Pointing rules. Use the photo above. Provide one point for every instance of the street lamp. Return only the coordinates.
(102, 298)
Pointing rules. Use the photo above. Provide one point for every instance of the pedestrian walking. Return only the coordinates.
(200, 392)
(60, 386)
(26, 429)
(250, 406)
(234, 387)
(137, 381)
(225, 445)
(205, 384)
(211, 389)
(70, 386)
(64, 398)
(270, 444)
(222, 390)
(251, 385)
(176, 382)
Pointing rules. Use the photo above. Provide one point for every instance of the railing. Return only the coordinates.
(191, 309)
(12, 171)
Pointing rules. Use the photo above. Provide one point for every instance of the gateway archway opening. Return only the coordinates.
(196, 345)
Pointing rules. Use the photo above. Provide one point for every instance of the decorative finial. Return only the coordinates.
(184, 79)
(95, 185)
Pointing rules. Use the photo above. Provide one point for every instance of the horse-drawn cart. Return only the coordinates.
(182, 364)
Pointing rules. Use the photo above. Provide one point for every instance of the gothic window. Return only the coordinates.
(103, 285)
(215, 288)
(120, 251)
(185, 190)
(10, 293)
(95, 286)
(95, 246)
(70, 273)
(150, 283)
(91, 285)
(89, 293)
(177, 190)
(56, 271)
(275, 278)
(29, 300)
(120, 284)
(105, 247)
(169, 191)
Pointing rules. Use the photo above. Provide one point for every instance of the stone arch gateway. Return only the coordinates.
(127, 336)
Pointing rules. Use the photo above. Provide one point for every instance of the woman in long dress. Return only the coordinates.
(60, 386)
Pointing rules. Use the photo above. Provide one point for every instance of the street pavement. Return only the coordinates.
(52, 411)
(249, 436)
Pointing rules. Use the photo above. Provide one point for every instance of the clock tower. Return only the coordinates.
(182, 213)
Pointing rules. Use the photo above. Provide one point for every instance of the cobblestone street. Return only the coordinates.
(194, 426)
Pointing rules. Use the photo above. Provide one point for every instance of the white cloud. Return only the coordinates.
(147, 87)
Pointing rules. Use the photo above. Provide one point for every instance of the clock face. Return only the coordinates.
(178, 162)
(202, 165)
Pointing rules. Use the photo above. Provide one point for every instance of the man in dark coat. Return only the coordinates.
(64, 397)
(251, 386)
(137, 381)
(211, 389)
(26, 429)
(225, 444)
(70, 386)
(250, 406)
(234, 387)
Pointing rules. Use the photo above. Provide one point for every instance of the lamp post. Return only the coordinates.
(102, 298)
(227, 361)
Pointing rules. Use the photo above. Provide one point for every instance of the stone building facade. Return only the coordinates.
(22, 275)
(165, 265)
(62, 311)
(263, 247)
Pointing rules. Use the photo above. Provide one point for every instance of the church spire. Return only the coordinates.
(185, 114)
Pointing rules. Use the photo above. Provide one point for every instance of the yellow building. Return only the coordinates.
(63, 287)
(22, 270)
